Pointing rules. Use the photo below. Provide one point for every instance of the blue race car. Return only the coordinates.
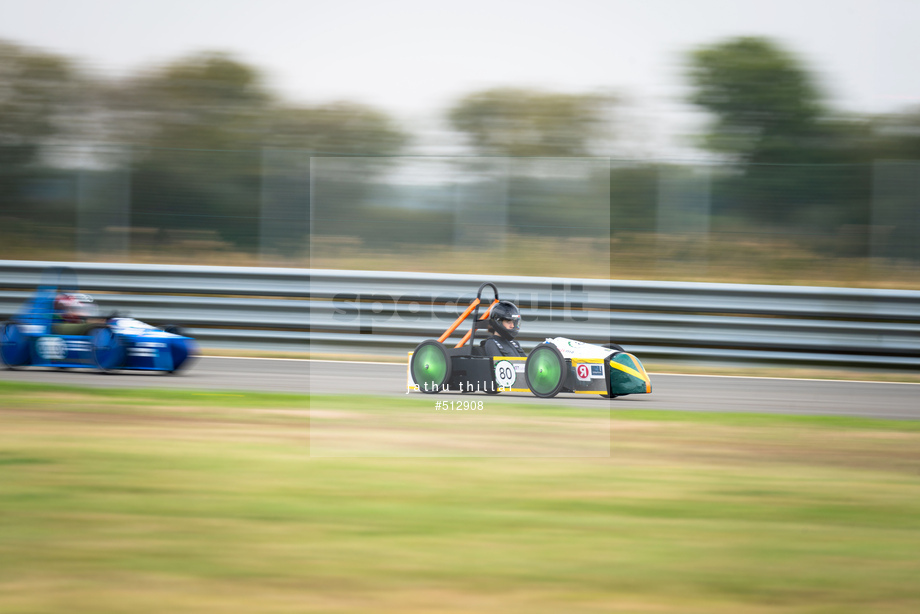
(61, 327)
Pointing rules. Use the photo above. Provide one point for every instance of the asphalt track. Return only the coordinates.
(672, 392)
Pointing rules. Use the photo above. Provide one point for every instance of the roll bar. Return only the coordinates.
(474, 309)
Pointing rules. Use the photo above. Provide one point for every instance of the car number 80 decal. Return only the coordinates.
(505, 374)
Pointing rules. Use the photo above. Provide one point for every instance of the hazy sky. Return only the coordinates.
(413, 57)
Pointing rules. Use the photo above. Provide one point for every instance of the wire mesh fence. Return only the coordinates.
(580, 217)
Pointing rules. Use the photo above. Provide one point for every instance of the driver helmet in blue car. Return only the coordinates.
(74, 307)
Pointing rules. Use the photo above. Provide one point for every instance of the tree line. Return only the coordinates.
(786, 156)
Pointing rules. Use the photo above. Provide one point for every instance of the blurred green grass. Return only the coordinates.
(153, 501)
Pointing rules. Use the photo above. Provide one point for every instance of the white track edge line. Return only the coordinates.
(396, 364)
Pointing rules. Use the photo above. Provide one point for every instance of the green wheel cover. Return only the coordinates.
(544, 371)
(431, 366)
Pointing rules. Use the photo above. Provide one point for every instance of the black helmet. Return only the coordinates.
(505, 310)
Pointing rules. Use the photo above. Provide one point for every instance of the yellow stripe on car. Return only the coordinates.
(643, 376)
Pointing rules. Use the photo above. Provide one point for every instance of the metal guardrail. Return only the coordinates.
(386, 313)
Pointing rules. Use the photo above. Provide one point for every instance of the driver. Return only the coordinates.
(74, 313)
(504, 324)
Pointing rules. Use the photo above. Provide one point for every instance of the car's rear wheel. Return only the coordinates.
(108, 349)
(545, 370)
(14, 346)
(430, 366)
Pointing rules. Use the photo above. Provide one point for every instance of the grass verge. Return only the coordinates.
(151, 501)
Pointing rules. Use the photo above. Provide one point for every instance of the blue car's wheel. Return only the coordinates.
(183, 354)
(108, 349)
(14, 346)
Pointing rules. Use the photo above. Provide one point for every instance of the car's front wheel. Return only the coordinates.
(617, 348)
(545, 370)
(108, 349)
